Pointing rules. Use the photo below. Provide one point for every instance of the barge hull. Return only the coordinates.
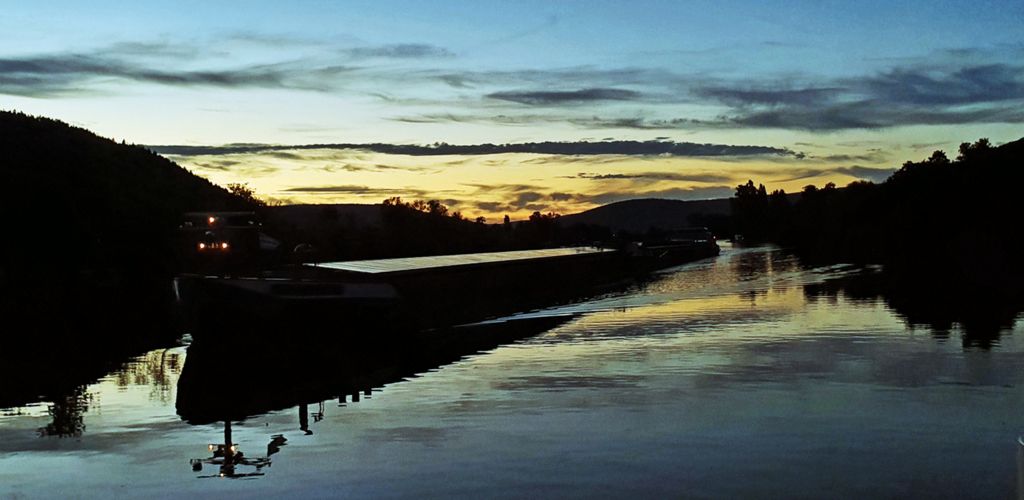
(335, 303)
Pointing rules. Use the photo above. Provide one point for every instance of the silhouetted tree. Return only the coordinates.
(969, 152)
(749, 208)
(244, 192)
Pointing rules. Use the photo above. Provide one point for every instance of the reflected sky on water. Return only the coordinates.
(724, 378)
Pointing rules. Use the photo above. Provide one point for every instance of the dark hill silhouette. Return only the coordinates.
(639, 216)
(359, 231)
(89, 202)
(87, 219)
(634, 216)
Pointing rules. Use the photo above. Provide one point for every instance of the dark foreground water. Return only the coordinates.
(743, 376)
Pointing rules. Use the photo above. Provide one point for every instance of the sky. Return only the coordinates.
(355, 102)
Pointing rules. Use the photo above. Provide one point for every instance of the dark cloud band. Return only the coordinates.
(545, 98)
(629, 148)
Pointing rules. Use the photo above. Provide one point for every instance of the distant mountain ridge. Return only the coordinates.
(630, 215)
(302, 215)
(640, 215)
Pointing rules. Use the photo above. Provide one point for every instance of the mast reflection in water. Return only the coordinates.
(228, 458)
(298, 377)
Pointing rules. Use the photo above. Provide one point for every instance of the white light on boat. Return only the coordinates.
(211, 220)
(202, 246)
(224, 245)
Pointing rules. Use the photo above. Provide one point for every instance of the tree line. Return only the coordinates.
(429, 227)
(935, 218)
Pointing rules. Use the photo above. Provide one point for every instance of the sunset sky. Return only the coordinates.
(787, 93)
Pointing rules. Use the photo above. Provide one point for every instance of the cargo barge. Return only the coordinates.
(368, 299)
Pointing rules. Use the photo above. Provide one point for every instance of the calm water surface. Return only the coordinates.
(733, 377)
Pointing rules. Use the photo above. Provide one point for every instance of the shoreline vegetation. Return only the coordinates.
(937, 219)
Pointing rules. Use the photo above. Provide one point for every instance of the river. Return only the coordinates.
(747, 375)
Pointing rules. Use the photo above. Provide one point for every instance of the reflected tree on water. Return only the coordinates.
(67, 415)
(981, 320)
(157, 369)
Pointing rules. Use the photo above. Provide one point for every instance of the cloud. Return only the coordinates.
(745, 97)
(630, 148)
(62, 74)
(217, 164)
(860, 172)
(493, 206)
(869, 115)
(399, 51)
(275, 40)
(502, 188)
(455, 80)
(534, 200)
(550, 22)
(866, 173)
(522, 199)
(285, 155)
(915, 95)
(568, 77)
(500, 119)
(329, 189)
(515, 197)
(946, 90)
(927, 145)
(153, 49)
(690, 193)
(234, 165)
(949, 87)
(966, 85)
(359, 190)
(376, 167)
(548, 97)
(165, 62)
(874, 155)
(530, 200)
(595, 122)
(659, 176)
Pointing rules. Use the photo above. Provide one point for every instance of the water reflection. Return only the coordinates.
(343, 372)
(156, 369)
(942, 308)
(67, 414)
(231, 462)
(59, 333)
(289, 378)
(750, 375)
